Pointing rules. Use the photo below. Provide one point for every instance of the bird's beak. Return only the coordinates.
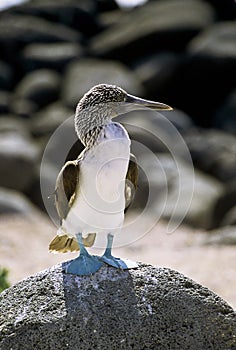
(146, 103)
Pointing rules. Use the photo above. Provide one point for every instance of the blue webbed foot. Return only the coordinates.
(118, 263)
(85, 264)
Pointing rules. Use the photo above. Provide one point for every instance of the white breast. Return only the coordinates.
(99, 205)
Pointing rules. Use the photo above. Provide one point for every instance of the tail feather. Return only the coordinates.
(64, 243)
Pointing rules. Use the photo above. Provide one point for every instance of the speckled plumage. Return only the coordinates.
(94, 127)
(93, 191)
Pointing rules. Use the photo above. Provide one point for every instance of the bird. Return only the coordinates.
(93, 191)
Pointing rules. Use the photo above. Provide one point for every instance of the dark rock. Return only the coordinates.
(10, 122)
(4, 102)
(48, 119)
(157, 131)
(225, 10)
(217, 42)
(83, 74)
(181, 121)
(213, 151)
(209, 72)
(161, 25)
(18, 158)
(13, 202)
(224, 235)
(146, 308)
(225, 114)
(77, 14)
(55, 56)
(41, 87)
(230, 217)
(41, 191)
(106, 5)
(6, 75)
(22, 107)
(110, 18)
(225, 203)
(171, 189)
(194, 194)
(156, 72)
(26, 29)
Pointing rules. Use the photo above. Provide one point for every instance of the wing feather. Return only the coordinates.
(66, 187)
(131, 182)
(66, 183)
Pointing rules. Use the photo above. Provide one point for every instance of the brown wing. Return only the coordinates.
(131, 183)
(66, 184)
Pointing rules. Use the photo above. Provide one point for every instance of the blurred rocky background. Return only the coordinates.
(180, 52)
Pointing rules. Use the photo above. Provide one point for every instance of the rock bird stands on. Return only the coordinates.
(93, 191)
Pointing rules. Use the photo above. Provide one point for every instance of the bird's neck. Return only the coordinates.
(90, 138)
(89, 122)
(98, 134)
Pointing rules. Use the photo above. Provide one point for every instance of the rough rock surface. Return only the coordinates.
(146, 308)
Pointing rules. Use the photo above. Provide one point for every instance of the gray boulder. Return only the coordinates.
(172, 190)
(53, 55)
(213, 151)
(22, 29)
(224, 213)
(22, 107)
(145, 308)
(156, 26)
(216, 42)
(10, 123)
(210, 70)
(230, 217)
(14, 202)
(223, 235)
(18, 159)
(49, 118)
(81, 15)
(41, 86)
(6, 75)
(81, 75)
(4, 101)
(225, 114)
(158, 71)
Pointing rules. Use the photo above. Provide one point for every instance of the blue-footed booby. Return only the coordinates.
(93, 191)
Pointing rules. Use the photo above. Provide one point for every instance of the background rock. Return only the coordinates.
(13, 202)
(180, 194)
(83, 74)
(225, 114)
(225, 235)
(18, 159)
(55, 56)
(78, 15)
(41, 87)
(21, 29)
(226, 202)
(213, 151)
(163, 25)
(178, 52)
(5, 75)
(107, 307)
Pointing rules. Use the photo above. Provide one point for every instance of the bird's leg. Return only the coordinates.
(109, 259)
(85, 264)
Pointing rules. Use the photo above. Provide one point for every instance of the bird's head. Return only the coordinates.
(104, 102)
